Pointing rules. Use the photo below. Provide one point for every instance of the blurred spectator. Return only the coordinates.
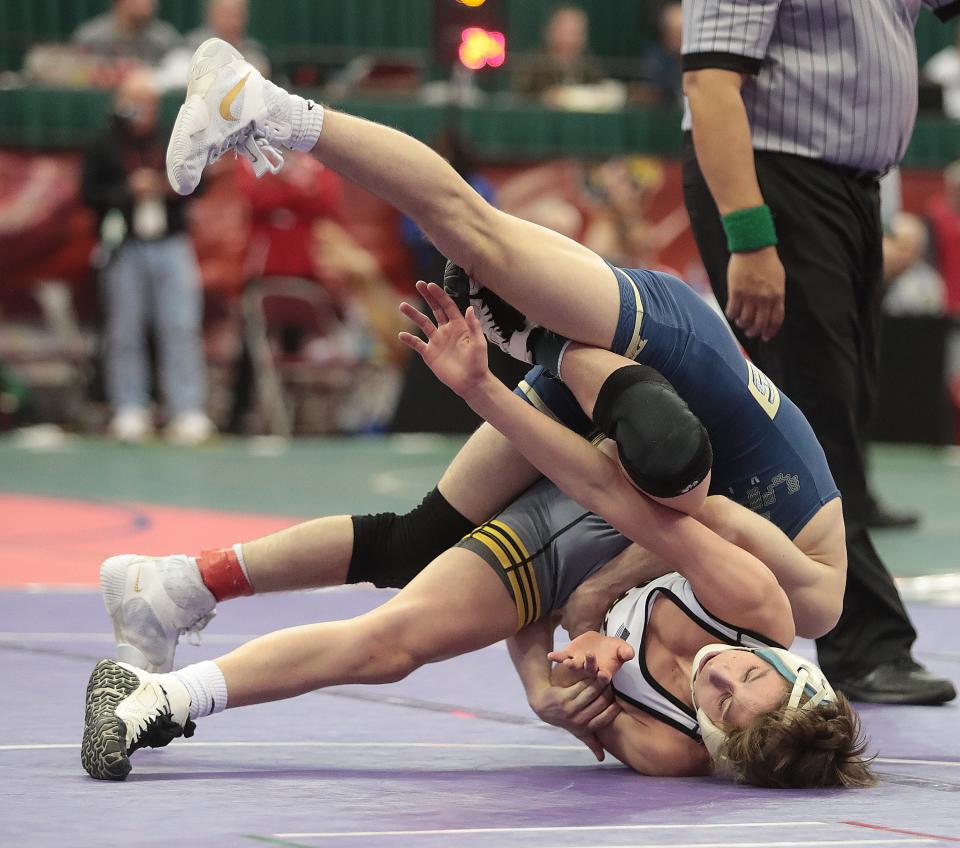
(226, 19)
(943, 68)
(149, 273)
(296, 231)
(130, 30)
(620, 229)
(661, 71)
(913, 286)
(943, 213)
(564, 60)
(284, 208)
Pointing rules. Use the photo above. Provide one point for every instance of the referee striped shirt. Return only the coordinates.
(834, 80)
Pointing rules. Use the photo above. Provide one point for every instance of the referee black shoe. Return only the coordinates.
(903, 681)
(504, 325)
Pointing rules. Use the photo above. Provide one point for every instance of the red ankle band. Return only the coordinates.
(223, 575)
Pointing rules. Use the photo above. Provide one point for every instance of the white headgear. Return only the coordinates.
(805, 676)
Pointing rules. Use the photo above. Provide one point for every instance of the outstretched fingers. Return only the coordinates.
(450, 308)
(413, 342)
(428, 291)
(418, 318)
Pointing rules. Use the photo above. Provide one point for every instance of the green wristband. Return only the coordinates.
(749, 229)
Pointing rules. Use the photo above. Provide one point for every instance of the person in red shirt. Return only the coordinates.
(284, 208)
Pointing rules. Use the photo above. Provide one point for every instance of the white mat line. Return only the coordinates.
(811, 843)
(482, 746)
(10, 636)
(466, 746)
(894, 761)
(211, 638)
(572, 828)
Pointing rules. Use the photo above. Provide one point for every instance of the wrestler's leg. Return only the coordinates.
(555, 281)
(456, 605)
(152, 600)
(485, 475)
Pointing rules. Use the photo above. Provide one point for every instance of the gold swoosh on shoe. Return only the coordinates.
(228, 99)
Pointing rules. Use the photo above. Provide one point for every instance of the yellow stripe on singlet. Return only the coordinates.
(531, 394)
(480, 534)
(517, 568)
(527, 567)
(636, 343)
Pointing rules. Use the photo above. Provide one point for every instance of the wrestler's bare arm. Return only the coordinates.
(633, 737)
(812, 569)
(650, 747)
(580, 703)
(812, 577)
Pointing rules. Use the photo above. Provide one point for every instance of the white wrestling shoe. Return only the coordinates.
(128, 709)
(152, 601)
(230, 106)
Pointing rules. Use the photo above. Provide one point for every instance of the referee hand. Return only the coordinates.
(756, 283)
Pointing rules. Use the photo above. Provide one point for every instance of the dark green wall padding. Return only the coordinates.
(68, 119)
(619, 28)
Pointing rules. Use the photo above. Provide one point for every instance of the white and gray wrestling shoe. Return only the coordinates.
(230, 106)
(128, 709)
(503, 324)
(152, 601)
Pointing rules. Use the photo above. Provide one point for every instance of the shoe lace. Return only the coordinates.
(231, 142)
(192, 631)
(263, 155)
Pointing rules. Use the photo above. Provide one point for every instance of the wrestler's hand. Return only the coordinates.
(593, 652)
(756, 283)
(581, 707)
(455, 349)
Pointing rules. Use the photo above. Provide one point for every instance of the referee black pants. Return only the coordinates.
(825, 358)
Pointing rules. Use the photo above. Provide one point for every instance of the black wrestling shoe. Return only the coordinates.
(902, 681)
(127, 709)
(503, 325)
(458, 285)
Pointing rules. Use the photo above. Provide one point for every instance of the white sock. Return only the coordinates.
(563, 350)
(305, 117)
(206, 686)
(238, 550)
(178, 696)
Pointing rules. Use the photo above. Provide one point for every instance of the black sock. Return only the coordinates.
(546, 347)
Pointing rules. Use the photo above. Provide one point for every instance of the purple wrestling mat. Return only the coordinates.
(451, 757)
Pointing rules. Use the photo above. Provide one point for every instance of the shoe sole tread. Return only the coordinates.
(103, 751)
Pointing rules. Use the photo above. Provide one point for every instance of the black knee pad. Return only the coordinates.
(663, 446)
(389, 550)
